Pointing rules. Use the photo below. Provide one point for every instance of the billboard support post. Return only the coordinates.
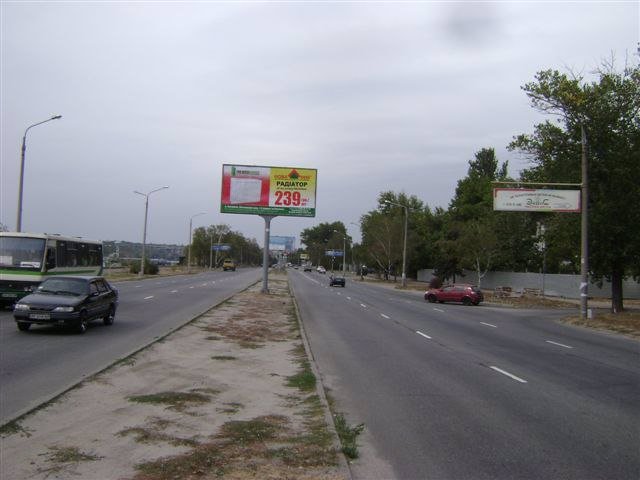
(265, 252)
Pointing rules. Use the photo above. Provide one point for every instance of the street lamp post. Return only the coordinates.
(21, 182)
(404, 248)
(190, 230)
(144, 232)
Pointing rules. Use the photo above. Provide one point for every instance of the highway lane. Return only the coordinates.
(448, 391)
(45, 361)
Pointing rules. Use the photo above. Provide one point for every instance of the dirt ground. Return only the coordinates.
(230, 395)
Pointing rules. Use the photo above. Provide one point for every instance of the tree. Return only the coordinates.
(470, 239)
(608, 109)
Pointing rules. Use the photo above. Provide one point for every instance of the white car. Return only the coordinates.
(321, 269)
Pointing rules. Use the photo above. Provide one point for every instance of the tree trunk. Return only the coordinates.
(616, 290)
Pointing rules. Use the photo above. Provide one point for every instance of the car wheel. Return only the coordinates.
(23, 326)
(467, 301)
(83, 323)
(431, 299)
(108, 320)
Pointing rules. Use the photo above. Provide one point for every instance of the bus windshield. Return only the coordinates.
(21, 252)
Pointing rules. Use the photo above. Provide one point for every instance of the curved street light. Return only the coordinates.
(144, 234)
(190, 230)
(21, 182)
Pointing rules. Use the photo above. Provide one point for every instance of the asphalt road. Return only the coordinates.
(37, 365)
(454, 392)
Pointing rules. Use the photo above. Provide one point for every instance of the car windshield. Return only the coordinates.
(64, 286)
(21, 252)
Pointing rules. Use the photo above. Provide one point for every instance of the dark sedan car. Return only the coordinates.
(467, 294)
(68, 301)
(336, 280)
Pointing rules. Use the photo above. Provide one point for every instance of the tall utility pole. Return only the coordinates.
(584, 231)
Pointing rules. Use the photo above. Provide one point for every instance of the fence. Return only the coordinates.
(556, 285)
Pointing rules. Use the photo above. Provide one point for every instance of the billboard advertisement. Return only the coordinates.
(282, 244)
(260, 190)
(535, 200)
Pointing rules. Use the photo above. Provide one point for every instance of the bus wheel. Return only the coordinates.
(24, 326)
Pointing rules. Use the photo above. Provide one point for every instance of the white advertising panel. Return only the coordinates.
(535, 200)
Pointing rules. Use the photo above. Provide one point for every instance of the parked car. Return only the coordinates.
(467, 294)
(321, 269)
(336, 280)
(229, 264)
(308, 268)
(67, 301)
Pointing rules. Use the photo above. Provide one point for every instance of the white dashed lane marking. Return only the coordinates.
(423, 335)
(510, 375)
(558, 344)
(488, 325)
(149, 297)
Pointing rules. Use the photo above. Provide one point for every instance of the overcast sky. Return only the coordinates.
(376, 96)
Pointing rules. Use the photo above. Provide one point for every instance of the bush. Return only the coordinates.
(149, 268)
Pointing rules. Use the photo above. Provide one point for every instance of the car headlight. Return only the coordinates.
(63, 309)
(21, 306)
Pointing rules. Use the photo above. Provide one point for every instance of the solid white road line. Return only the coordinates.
(149, 297)
(558, 344)
(510, 375)
(488, 325)
(423, 334)
(385, 316)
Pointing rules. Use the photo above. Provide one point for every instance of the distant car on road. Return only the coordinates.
(467, 294)
(68, 301)
(321, 269)
(336, 280)
(229, 264)
(308, 268)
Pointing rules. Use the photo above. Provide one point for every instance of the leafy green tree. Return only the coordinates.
(321, 238)
(470, 236)
(608, 110)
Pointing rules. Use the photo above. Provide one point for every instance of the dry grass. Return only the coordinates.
(626, 322)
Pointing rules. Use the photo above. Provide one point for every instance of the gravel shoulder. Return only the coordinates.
(230, 395)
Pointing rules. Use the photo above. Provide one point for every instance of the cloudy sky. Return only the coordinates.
(377, 96)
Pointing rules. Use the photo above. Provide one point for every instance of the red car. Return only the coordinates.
(467, 294)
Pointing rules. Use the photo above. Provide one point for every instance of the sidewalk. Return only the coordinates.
(230, 395)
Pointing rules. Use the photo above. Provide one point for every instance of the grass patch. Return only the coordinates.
(178, 401)
(12, 428)
(304, 380)
(148, 435)
(348, 435)
(626, 322)
(64, 457)
(223, 357)
(259, 429)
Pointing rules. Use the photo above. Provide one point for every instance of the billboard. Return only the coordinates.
(282, 244)
(260, 190)
(536, 200)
